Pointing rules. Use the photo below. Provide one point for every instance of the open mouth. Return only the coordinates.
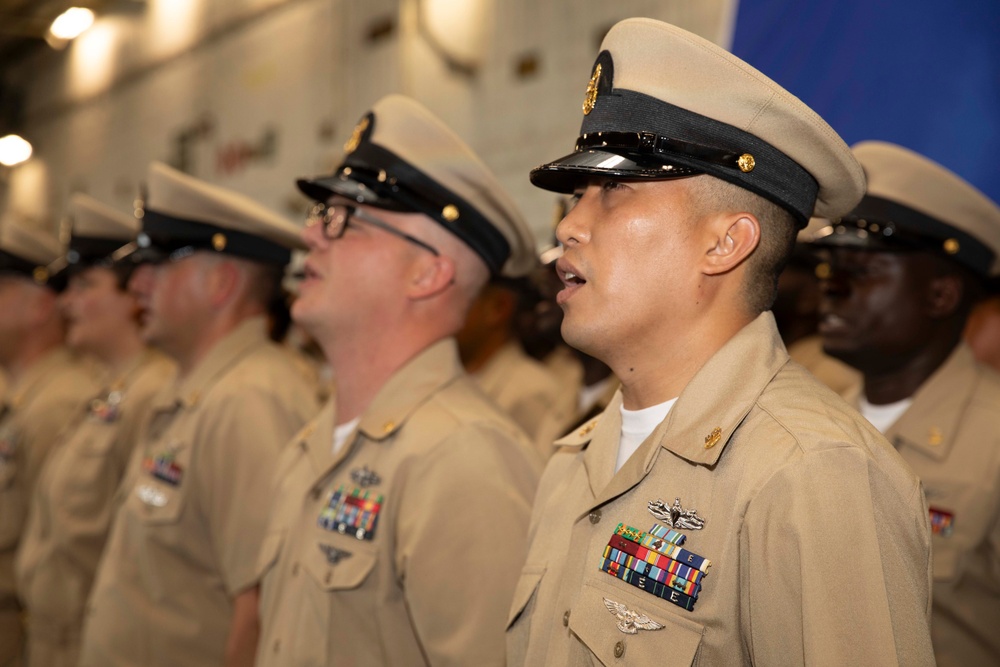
(571, 278)
(308, 273)
(831, 323)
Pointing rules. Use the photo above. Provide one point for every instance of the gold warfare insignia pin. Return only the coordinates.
(712, 439)
(591, 97)
(355, 140)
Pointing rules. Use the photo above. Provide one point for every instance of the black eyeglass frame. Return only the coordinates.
(334, 227)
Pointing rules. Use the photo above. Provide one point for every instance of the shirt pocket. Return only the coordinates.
(524, 593)
(337, 565)
(156, 503)
(674, 644)
(158, 491)
(519, 618)
(960, 517)
(270, 550)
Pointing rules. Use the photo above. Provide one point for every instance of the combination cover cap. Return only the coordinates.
(913, 202)
(184, 212)
(663, 103)
(401, 157)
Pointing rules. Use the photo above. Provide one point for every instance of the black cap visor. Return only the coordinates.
(321, 189)
(567, 173)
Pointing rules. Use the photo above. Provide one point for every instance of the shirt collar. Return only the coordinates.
(35, 376)
(934, 418)
(249, 334)
(705, 416)
(411, 386)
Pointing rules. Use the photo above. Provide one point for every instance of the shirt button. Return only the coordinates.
(295, 570)
(619, 649)
(595, 516)
(566, 618)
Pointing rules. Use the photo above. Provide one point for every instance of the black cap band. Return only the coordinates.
(90, 250)
(168, 233)
(667, 135)
(378, 177)
(879, 223)
(37, 273)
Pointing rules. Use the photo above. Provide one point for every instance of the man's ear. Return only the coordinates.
(430, 276)
(731, 240)
(944, 295)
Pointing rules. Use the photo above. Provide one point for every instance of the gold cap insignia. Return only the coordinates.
(712, 439)
(935, 437)
(951, 246)
(591, 98)
(355, 140)
(450, 213)
(746, 163)
(219, 242)
(40, 274)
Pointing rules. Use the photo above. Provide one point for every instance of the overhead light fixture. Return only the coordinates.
(13, 150)
(72, 23)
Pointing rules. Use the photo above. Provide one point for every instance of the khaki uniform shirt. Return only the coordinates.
(193, 507)
(404, 548)
(815, 530)
(72, 508)
(50, 396)
(833, 373)
(529, 393)
(950, 436)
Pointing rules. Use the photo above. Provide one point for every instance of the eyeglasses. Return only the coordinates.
(336, 218)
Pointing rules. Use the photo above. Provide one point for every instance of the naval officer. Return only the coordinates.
(402, 511)
(727, 508)
(72, 504)
(176, 581)
(47, 392)
(904, 270)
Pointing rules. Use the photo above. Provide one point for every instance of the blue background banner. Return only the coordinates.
(922, 74)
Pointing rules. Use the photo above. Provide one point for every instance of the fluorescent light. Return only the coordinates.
(72, 23)
(13, 150)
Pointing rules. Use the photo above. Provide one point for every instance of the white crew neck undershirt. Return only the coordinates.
(883, 417)
(341, 432)
(636, 427)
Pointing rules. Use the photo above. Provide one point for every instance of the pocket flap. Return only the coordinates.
(338, 564)
(156, 502)
(531, 577)
(674, 644)
(270, 549)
